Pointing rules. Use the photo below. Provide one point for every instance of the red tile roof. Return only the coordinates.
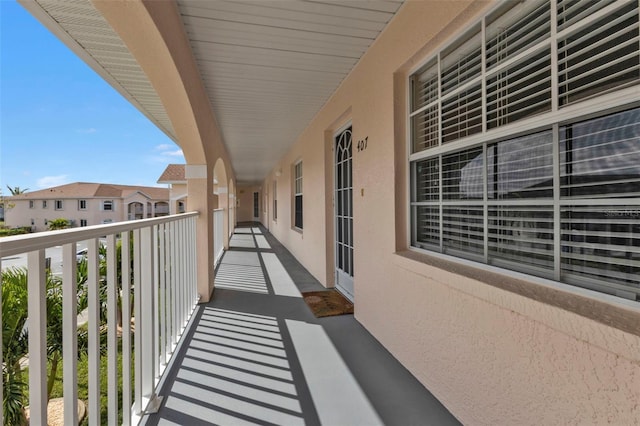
(173, 173)
(94, 190)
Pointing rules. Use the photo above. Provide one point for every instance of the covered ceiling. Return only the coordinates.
(268, 65)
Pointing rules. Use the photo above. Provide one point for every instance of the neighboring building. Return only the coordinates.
(173, 176)
(85, 204)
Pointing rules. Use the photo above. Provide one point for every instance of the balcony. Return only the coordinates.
(253, 354)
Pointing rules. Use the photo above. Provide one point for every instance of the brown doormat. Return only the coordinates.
(327, 303)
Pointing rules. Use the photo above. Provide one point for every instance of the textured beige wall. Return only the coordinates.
(491, 356)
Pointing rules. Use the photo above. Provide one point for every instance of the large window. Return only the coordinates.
(531, 162)
(297, 195)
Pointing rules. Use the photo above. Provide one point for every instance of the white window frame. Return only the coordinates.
(83, 222)
(111, 205)
(31, 204)
(58, 205)
(298, 182)
(44, 204)
(275, 200)
(82, 204)
(599, 105)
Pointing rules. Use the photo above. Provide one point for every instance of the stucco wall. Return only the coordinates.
(490, 355)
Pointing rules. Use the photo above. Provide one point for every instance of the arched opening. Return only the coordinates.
(161, 208)
(232, 207)
(135, 211)
(220, 214)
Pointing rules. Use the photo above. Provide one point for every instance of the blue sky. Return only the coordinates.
(61, 123)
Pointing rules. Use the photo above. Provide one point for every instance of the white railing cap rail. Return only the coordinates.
(11, 246)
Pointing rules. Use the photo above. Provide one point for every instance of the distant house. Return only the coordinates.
(85, 204)
(174, 176)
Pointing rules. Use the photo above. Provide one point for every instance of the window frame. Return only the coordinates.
(601, 104)
(297, 182)
(58, 205)
(44, 204)
(82, 204)
(275, 200)
(110, 203)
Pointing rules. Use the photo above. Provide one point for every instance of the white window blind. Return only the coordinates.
(559, 197)
(602, 55)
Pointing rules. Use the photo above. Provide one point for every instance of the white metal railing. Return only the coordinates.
(218, 234)
(160, 268)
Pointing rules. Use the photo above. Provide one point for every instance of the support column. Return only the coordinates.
(223, 203)
(200, 189)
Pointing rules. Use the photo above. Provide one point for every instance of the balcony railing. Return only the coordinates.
(218, 226)
(159, 269)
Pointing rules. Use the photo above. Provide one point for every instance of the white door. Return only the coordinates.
(343, 201)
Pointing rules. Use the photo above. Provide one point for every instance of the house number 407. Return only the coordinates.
(362, 144)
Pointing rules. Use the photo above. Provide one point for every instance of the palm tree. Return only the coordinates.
(15, 336)
(14, 344)
(16, 190)
(60, 223)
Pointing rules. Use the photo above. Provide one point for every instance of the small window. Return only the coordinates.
(46, 222)
(33, 222)
(107, 205)
(107, 221)
(31, 204)
(297, 194)
(82, 204)
(83, 222)
(58, 205)
(44, 204)
(181, 208)
(275, 200)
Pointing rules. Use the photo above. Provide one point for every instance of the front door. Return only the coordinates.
(256, 206)
(343, 202)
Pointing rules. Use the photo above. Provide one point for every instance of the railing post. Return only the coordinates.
(112, 329)
(146, 324)
(93, 305)
(37, 325)
(70, 333)
(126, 328)
(156, 305)
(137, 315)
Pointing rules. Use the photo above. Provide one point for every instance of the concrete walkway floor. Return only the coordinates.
(257, 355)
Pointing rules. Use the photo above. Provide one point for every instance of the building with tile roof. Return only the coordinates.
(85, 204)
(174, 177)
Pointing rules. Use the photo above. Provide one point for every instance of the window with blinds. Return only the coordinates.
(297, 195)
(560, 198)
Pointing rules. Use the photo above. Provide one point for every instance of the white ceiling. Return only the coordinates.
(268, 65)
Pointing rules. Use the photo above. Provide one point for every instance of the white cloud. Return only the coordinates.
(49, 181)
(86, 131)
(177, 153)
(164, 147)
(165, 153)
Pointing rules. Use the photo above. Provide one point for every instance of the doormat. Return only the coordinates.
(327, 303)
